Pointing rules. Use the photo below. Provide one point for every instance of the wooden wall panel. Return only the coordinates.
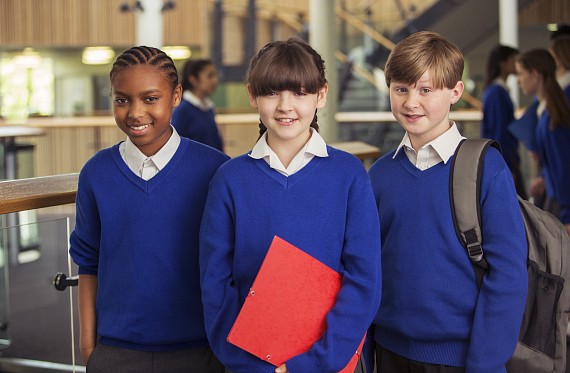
(541, 12)
(187, 24)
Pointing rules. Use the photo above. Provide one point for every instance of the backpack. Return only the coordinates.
(541, 345)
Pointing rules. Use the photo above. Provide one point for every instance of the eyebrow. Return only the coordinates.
(144, 93)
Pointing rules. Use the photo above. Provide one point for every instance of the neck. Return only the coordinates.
(286, 150)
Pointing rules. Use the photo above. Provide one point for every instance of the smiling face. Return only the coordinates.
(422, 109)
(143, 100)
(287, 115)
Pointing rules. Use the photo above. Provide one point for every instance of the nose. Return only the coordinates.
(285, 102)
(136, 109)
(411, 100)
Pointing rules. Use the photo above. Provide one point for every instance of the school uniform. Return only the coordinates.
(498, 113)
(323, 204)
(432, 311)
(137, 229)
(195, 119)
(554, 153)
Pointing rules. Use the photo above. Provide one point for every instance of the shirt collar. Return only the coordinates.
(501, 82)
(205, 104)
(135, 158)
(444, 145)
(564, 79)
(316, 146)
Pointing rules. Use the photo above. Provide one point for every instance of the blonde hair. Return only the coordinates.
(425, 51)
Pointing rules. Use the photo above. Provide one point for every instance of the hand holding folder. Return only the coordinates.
(285, 310)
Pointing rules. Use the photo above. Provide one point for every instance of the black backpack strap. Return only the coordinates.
(465, 192)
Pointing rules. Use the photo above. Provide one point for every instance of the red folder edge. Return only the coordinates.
(285, 310)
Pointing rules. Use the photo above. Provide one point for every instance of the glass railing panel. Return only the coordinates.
(43, 323)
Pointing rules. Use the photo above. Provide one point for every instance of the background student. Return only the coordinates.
(433, 317)
(194, 118)
(536, 71)
(296, 187)
(139, 206)
(499, 110)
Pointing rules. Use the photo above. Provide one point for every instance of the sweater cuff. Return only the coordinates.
(303, 363)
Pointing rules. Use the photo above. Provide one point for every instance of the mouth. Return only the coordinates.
(286, 121)
(138, 127)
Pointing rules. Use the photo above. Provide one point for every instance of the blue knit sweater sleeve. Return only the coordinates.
(501, 300)
(359, 296)
(220, 293)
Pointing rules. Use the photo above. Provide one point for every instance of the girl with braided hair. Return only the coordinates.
(139, 205)
(293, 185)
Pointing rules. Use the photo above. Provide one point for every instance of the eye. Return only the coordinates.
(301, 93)
(401, 90)
(425, 90)
(271, 94)
(121, 101)
(151, 99)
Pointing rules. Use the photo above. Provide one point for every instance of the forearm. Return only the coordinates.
(87, 314)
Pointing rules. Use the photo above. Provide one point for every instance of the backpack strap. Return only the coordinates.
(465, 192)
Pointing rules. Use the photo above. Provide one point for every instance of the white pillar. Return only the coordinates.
(149, 24)
(509, 35)
(322, 37)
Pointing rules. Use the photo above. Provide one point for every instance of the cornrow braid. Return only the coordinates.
(146, 56)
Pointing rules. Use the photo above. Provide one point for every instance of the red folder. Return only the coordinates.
(284, 312)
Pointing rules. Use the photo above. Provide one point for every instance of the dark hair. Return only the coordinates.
(425, 51)
(561, 31)
(499, 54)
(291, 65)
(560, 48)
(541, 61)
(192, 68)
(146, 56)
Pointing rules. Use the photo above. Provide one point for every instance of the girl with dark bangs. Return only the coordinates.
(293, 185)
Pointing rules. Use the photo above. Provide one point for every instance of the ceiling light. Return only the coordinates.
(29, 58)
(177, 52)
(97, 55)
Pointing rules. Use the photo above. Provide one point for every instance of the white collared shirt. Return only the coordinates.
(316, 146)
(564, 80)
(147, 167)
(434, 152)
(501, 82)
(205, 104)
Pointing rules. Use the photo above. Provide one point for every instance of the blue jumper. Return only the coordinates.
(432, 310)
(192, 122)
(326, 209)
(498, 113)
(554, 152)
(140, 238)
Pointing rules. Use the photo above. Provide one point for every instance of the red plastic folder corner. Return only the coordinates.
(284, 312)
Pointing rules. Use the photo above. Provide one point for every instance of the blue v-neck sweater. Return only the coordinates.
(431, 309)
(554, 153)
(196, 124)
(326, 209)
(140, 238)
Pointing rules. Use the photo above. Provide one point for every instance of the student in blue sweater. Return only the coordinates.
(294, 186)
(499, 110)
(194, 118)
(139, 208)
(537, 77)
(433, 317)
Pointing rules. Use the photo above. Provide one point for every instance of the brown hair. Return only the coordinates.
(425, 51)
(541, 61)
(193, 68)
(560, 48)
(146, 56)
(291, 65)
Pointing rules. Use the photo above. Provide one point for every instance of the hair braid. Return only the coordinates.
(142, 55)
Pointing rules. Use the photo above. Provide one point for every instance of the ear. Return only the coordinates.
(457, 91)
(252, 100)
(177, 95)
(322, 96)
